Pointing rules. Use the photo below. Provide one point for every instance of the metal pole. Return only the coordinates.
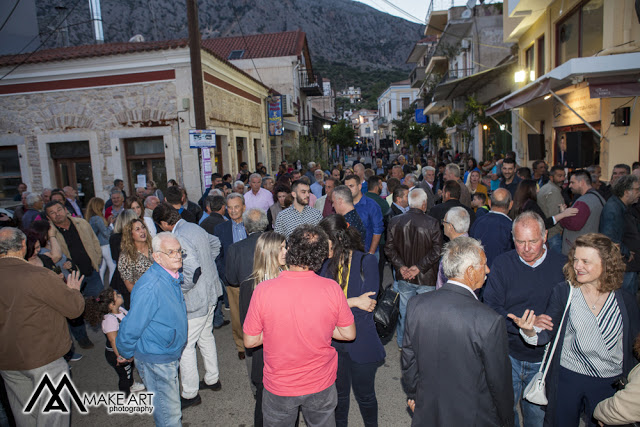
(196, 64)
(526, 122)
(560, 100)
(500, 124)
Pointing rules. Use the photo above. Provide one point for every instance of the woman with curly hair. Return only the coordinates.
(595, 345)
(357, 273)
(136, 253)
(115, 241)
(268, 262)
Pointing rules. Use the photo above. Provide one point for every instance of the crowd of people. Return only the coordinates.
(493, 264)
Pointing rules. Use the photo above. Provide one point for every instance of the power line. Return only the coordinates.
(399, 9)
(246, 45)
(10, 13)
(43, 42)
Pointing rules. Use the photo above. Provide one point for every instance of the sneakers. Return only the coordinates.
(185, 403)
(75, 357)
(215, 387)
(224, 323)
(85, 343)
(136, 387)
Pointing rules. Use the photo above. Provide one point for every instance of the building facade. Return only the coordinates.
(86, 115)
(397, 97)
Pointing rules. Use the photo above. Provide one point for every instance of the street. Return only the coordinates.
(233, 405)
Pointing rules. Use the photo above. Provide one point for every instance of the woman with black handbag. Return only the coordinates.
(357, 273)
(595, 339)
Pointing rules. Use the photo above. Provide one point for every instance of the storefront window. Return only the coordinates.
(9, 172)
(72, 161)
(580, 34)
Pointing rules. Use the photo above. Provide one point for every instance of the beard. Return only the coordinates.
(302, 202)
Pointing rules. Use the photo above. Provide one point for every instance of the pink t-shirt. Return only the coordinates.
(297, 313)
(110, 323)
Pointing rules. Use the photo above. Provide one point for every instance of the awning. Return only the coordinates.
(614, 90)
(625, 67)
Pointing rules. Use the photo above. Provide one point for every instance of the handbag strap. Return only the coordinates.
(555, 341)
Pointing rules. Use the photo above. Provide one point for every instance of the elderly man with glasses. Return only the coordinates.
(155, 330)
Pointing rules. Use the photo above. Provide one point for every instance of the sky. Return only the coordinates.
(416, 8)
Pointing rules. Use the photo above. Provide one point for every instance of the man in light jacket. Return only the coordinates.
(201, 289)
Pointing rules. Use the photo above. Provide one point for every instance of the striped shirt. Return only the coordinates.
(593, 344)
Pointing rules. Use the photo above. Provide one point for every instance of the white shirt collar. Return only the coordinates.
(539, 261)
(500, 213)
(462, 285)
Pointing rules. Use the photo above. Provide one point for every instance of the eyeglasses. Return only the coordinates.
(445, 222)
(173, 253)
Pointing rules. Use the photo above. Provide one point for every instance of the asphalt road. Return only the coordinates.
(233, 405)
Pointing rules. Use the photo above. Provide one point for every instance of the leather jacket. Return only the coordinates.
(414, 238)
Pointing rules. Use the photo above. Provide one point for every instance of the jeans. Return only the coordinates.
(630, 282)
(21, 385)
(406, 291)
(218, 317)
(522, 373)
(92, 285)
(162, 380)
(555, 243)
(318, 408)
(362, 377)
(200, 332)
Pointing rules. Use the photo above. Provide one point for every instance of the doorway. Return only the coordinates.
(72, 163)
(145, 162)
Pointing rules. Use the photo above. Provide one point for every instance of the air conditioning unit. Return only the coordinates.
(287, 105)
(305, 130)
(465, 44)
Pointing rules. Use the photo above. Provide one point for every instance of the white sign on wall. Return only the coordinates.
(204, 138)
(581, 101)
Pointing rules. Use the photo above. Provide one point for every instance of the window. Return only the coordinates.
(9, 172)
(145, 156)
(236, 54)
(540, 69)
(529, 63)
(580, 34)
(72, 161)
(405, 103)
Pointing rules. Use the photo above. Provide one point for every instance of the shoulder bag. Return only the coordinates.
(536, 392)
(387, 310)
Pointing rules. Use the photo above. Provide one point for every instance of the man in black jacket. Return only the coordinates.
(451, 198)
(215, 207)
(455, 349)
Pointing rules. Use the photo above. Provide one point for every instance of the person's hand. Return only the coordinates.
(566, 213)
(414, 271)
(111, 219)
(75, 280)
(411, 404)
(525, 322)
(404, 270)
(543, 321)
(67, 265)
(52, 230)
(363, 302)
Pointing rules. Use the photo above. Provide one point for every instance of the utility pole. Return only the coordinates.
(197, 83)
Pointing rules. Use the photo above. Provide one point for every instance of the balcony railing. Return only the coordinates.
(459, 73)
(310, 85)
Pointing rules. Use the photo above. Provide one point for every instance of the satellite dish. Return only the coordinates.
(138, 38)
(466, 14)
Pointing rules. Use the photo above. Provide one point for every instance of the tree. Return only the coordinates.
(342, 134)
(410, 132)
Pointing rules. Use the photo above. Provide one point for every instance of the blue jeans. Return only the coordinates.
(362, 377)
(92, 285)
(318, 408)
(162, 380)
(522, 373)
(406, 291)
(630, 282)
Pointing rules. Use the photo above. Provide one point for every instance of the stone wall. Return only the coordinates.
(226, 108)
(98, 110)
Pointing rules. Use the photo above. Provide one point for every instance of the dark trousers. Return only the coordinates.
(318, 409)
(257, 413)
(361, 377)
(577, 391)
(124, 371)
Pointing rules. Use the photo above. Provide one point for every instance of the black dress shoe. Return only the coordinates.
(241, 355)
(185, 403)
(225, 323)
(85, 343)
(215, 387)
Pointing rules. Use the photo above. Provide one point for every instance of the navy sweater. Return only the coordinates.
(513, 287)
(494, 231)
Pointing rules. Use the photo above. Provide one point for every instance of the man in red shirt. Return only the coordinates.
(294, 317)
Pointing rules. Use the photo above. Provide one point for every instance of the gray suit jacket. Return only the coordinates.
(201, 286)
(455, 361)
(431, 198)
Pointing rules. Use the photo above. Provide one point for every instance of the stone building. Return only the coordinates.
(85, 115)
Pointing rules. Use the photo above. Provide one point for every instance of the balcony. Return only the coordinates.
(310, 85)
(417, 76)
(458, 74)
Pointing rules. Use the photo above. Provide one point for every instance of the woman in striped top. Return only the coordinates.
(595, 346)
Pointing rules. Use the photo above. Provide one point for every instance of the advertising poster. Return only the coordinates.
(275, 116)
(202, 138)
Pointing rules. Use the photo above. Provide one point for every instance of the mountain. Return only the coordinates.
(350, 42)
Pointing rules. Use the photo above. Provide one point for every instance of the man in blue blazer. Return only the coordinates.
(231, 232)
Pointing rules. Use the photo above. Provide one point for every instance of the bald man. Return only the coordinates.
(494, 228)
